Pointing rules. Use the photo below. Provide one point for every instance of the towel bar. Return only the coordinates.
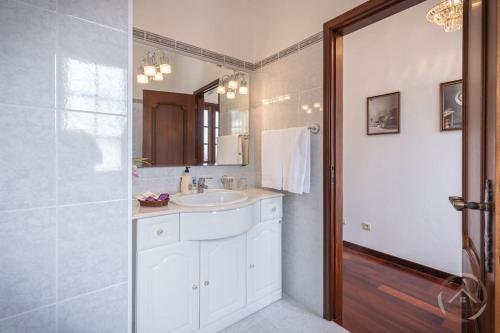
(314, 128)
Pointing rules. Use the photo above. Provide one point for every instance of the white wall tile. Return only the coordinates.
(39, 321)
(27, 52)
(52, 159)
(97, 11)
(46, 4)
(168, 179)
(92, 67)
(92, 157)
(27, 260)
(92, 247)
(299, 76)
(28, 177)
(100, 312)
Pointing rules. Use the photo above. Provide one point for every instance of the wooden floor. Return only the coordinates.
(381, 297)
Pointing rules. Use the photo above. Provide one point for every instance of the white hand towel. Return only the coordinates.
(273, 153)
(297, 167)
(229, 150)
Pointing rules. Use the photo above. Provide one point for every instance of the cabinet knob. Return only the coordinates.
(159, 232)
(279, 221)
(273, 209)
(195, 286)
(206, 283)
(252, 266)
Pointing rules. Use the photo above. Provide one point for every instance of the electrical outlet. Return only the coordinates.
(366, 226)
(344, 221)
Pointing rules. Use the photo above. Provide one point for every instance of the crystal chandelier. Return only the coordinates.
(447, 13)
(229, 84)
(153, 66)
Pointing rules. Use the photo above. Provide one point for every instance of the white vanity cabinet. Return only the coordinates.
(203, 284)
(167, 283)
(263, 260)
(223, 271)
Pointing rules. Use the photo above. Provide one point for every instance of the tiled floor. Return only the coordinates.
(284, 316)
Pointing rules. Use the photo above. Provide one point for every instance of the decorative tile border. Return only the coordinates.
(222, 59)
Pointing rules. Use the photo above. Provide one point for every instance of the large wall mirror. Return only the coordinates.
(188, 111)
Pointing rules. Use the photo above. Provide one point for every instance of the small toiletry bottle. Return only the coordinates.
(186, 182)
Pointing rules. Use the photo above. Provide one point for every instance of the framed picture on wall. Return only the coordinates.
(383, 113)
(451, 106)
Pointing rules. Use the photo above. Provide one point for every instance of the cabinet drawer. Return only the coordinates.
(271, 209)
(157, 231)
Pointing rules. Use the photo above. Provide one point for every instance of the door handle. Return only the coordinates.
(459, 204)
(487, 207)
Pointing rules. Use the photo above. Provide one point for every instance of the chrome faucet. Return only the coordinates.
(201, 184)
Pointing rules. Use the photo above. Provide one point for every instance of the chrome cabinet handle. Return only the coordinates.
(159, 232)
(195, 286)
(252, 266)
(273, 209)
(206, 283)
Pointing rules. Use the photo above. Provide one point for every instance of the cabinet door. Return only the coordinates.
(167, 289)
(263, 259)
(223, 278)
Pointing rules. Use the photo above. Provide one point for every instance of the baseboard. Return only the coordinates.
(403, 262)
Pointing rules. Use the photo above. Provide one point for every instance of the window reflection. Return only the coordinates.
(105, 131)
(93, 87)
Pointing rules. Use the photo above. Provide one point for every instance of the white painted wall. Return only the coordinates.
(223, 26)
(249, 30)
(400, 183)
(282, 23)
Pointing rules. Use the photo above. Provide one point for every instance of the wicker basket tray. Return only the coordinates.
(153, 203)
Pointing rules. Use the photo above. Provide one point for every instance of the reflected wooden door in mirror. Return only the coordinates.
(169, 128)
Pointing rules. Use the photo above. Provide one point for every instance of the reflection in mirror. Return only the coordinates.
(188, 111)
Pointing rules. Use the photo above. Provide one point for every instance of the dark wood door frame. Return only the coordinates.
(199, 96)
(368, 13)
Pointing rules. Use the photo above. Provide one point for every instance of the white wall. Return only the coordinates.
(249, 30)
(223, 26)
(301, 77)
(64, 133)
(282, 23)
(400, 183)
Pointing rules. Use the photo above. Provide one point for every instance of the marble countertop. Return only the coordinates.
(254, 194)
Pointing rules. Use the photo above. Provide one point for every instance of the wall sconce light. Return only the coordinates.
(243, 87)
(154, 65)
(231, 94)
(228, 85)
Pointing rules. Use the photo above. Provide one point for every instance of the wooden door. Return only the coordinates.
(478, 168)
(168, 289)
(263, 260)
(169, 128)
(223, 280)
(479, 153)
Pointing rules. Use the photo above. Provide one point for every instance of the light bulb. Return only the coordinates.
(158, 76)
(230, 94)
(141, 78)
(317, 105)
(243, 88)
(221, 90)
(149, 70)
(165, 68)
(233, 84)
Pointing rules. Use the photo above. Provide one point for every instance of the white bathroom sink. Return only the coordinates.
(210, 198)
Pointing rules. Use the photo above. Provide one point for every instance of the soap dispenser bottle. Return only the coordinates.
(186, 182)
